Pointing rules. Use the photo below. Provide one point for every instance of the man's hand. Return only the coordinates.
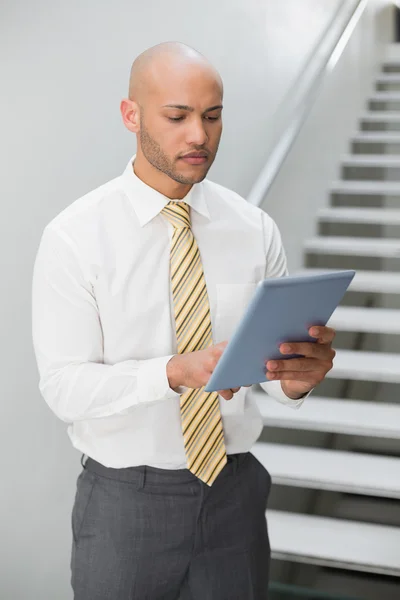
(300, 375)
(194, 369)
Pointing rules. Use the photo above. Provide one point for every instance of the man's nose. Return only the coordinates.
(197, 135)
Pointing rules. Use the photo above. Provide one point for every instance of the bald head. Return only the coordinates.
(153, 67)
(175, 109)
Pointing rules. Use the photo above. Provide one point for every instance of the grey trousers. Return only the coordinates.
(143, 533)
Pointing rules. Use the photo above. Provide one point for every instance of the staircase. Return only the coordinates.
(334, 516)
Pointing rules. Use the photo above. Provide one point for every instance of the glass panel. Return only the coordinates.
(280, 591)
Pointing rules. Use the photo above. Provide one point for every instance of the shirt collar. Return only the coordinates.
(148, 203)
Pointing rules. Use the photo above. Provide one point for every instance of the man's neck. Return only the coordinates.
(159, 181)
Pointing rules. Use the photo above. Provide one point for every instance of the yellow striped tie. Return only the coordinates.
(203, 434)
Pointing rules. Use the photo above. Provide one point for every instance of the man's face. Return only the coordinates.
(181, 118)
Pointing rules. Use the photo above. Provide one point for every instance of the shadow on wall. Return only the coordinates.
(397, 24)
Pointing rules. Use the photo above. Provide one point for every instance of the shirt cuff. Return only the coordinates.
(274, 389)
(152, 380)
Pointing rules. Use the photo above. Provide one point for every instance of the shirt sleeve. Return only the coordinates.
(276, 266)
(68, 344)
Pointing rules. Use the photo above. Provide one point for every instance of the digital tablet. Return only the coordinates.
(281, 310)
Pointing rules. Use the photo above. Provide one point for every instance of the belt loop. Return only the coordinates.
(82, 463)
(235, 462)
(142, 477)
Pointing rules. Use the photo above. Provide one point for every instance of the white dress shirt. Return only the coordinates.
(103, 321)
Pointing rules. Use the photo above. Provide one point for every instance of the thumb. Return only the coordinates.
(221, 346)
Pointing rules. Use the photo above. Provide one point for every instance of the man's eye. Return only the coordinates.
(175, 118)
(213, 118)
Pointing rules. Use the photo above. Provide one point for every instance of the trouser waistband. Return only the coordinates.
(137, 473)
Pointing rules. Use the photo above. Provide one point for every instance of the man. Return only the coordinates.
(133, 285)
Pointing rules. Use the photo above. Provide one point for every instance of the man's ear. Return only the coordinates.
(130, 115)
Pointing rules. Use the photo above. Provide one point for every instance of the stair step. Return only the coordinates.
(376, 137)
(380, 116)
(370, 320)
(385, 96)
(368, 281)
(321, 469)
(386, 161)
(333, 415)
(378, 216)
(366, 366)
(336, 543)
(366, 188)
(388, 78)
(392, 63)
(356, 246)
(368, 508)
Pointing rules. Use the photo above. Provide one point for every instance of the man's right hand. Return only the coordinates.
(194, 369)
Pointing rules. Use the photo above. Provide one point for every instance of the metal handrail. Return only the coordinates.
(305, 94)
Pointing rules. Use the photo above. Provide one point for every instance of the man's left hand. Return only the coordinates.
(300, 375)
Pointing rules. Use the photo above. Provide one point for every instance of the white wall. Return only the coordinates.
(64, 68)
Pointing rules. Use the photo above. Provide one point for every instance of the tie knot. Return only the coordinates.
(178, 214)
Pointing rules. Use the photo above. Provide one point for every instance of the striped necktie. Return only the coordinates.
(203, 434)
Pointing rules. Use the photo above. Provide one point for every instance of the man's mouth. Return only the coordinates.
(195, 158)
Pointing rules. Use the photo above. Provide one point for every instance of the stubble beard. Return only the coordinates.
(158, 159)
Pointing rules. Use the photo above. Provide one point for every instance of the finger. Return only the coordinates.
(292, 364)
(226, 394)
(325, 334)
(308, 350)
(310, 377)
(219, 348)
